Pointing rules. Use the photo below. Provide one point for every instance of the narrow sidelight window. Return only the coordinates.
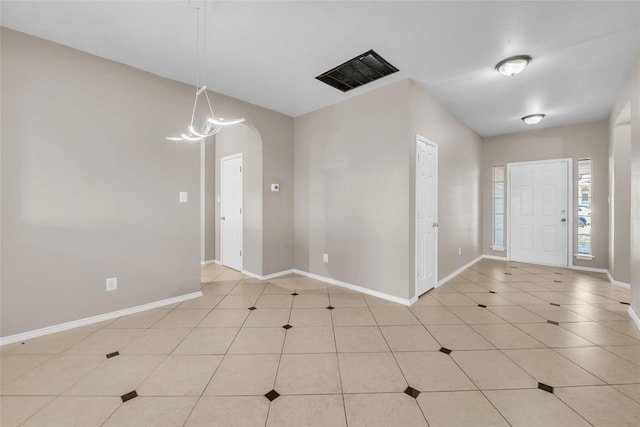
(498, 208)
(584, 206)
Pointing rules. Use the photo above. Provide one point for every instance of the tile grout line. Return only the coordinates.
(223, 356)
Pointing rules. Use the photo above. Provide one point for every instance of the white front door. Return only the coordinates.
(231, 211)
(426, 215)
(539, 218)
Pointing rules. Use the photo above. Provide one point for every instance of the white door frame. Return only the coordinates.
(421, 139)
(570, 233)
(223, 159)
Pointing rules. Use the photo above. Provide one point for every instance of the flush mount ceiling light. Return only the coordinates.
(513, 65)
(212, 124)
(533, 119)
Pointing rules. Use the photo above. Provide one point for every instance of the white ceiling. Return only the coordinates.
(268, 53)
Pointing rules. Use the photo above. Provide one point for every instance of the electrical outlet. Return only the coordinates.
(325, 257)
(184, 197)
(459, 251)
(112, 284)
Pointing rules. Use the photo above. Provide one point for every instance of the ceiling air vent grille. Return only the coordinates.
(358, 71)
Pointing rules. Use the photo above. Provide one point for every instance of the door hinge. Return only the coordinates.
(240, 210)
(240, 168)
(240, 252)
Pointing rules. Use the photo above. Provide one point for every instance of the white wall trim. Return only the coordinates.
(616, 282)
(278, 274)
(590, 269)
(585, 257)
(250, 274)
(209, 261)
(378, 294)
(634, 316)
(95, 319)
(458, 271)
(495, 257)
(353, 287)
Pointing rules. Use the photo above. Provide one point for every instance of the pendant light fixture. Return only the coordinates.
(212, 124)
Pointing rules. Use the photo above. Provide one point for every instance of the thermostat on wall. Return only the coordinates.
(275, 187)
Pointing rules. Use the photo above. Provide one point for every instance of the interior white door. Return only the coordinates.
(539, 216)
(231, 211)
(426, 215)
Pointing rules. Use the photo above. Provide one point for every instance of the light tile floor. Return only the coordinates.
(501, 344)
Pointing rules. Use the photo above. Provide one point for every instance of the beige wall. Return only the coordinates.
(210, 200)
(90, 186)
(575, 141)
(629, 94)
(354, 192)
(458, 181)
(245, 140)
(619, 205)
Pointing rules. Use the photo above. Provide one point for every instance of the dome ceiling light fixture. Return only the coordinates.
(513, 65)
(533, 119)
(212, 124)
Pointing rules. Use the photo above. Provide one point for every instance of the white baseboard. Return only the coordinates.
(377, 294)
(495, 257)
(458, 271)
(250, 274)
(278, 274)
(268, 276)
(95, 319)
(635, 317)
(209, 261)
(617, 283)
(589, 269)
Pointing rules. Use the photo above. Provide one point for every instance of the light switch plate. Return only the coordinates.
(112, 284)
(184, 197)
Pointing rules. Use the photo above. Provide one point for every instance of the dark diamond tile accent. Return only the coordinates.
(553, 322)
(287, 326)
(444, 350)
(545, 387)
(128, 396)
(272, 395)
(412, 392)
(482, 305)
(330, 308)
(114, 354)
(554, 304)
(625, 303)
(492, 292)
(252, 308)
(555, 272)
(294, 294)
(557, 281)
(508, 274)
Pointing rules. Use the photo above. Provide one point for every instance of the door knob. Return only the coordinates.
(222, 218)
(435, 224)
(563, 220)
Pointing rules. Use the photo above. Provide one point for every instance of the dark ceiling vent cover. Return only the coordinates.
(358, 71)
